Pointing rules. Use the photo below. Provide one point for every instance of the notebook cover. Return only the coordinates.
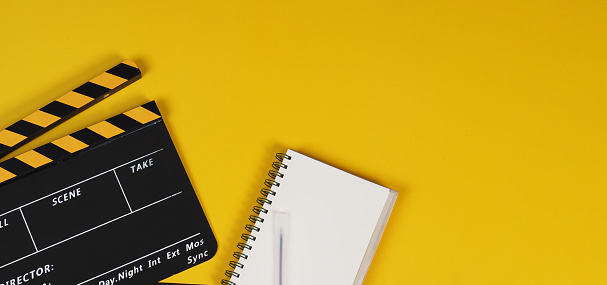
(331, 222)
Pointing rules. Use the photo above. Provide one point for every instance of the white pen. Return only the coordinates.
(281, 221)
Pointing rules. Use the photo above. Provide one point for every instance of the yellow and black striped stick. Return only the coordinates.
(66, 146)
(70, 104)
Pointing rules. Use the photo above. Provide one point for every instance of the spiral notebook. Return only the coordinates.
(312, 224)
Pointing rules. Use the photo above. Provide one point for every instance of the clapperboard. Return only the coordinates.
(109, 204)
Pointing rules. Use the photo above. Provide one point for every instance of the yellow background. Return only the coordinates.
(489, 117)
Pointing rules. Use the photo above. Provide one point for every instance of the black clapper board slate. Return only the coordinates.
(119, 212)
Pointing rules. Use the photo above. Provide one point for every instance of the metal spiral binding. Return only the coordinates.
(258, 210)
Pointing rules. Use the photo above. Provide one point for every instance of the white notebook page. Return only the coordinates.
(331, 219)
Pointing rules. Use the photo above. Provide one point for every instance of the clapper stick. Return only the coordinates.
(68, 105)
(62, 148)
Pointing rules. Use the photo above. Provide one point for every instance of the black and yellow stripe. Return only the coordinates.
(67, 106)
(80, 140)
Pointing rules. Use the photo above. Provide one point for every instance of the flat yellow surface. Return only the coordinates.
(489, 117)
